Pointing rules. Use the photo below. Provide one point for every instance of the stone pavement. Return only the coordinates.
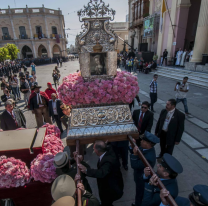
(192, 152)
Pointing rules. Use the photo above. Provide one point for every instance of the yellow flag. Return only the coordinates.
(163, 8)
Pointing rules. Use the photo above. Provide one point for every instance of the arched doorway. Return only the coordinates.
(42, 51)
(56, 51)
(27, 52)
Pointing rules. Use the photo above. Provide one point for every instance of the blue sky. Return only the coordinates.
(69, 9)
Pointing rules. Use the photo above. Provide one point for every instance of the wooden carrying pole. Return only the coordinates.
(169, 198)
(79, 192)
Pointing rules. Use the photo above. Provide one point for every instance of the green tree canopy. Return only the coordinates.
(4, 54)
(13, 51)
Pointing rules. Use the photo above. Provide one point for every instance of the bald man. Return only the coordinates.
(55, 111)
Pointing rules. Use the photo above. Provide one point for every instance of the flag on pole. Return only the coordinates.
(163, 10)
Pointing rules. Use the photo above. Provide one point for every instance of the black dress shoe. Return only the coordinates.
(125, 167)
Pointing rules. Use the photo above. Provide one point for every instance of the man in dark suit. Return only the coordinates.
(11, 118)
(108, 174)
(167, 171)
(7, 95)
(143, 119)
(55, 111)
(38, 103)
(170, 127)
(147, 148)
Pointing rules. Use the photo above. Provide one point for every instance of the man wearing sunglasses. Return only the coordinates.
(143, 119)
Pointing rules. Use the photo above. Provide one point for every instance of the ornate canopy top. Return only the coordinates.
(96, 9)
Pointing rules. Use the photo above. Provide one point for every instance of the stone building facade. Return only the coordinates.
(121, 29)
(37, 32)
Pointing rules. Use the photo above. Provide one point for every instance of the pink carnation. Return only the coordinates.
(13, 172)
(42, 168)
(52, 144)
(98, 91)
(52, 130)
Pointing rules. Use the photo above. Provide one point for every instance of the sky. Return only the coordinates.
(69, 10)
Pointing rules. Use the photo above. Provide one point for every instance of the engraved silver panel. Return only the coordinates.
(100, 120)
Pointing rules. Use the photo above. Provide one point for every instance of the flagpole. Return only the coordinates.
(170, 18)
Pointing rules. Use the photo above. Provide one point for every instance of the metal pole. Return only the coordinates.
(169, 198)
(170, 18)
(79, 192)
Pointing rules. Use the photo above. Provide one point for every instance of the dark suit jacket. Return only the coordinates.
(147, 121)
(8, 123)
(138, 165)
(152, 193)
(59, 110)
(109, 177)
(4, 98)
(73, 171)
(175, 127)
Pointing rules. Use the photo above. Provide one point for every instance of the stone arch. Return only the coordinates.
(26, 52)
(56, 50)
(42, 51)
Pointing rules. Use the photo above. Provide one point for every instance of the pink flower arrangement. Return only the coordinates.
(42, 168)
(52, 144)
(74, 90)
(13, 172)
(52, 129)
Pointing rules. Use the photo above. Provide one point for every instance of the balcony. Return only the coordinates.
(53, 36)
(23, 36)
(39, 36)
(6, 37)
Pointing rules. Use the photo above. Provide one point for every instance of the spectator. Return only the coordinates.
(55, 111)
(14, 85)
(33, 67)
(182, 88)
(6, 96)
(155, 58)
(11, 118)
(153, 91)
(49, 91)
(57, 62)
(38, 103)
(25, 89)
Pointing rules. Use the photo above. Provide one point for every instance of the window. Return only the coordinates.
(22, 30)
(54, 30)
(5, 31)
(38, 29)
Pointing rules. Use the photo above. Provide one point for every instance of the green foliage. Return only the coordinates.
(13, 51)
(4, 54)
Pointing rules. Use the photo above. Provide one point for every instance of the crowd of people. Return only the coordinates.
(47, 108)
(134, 64)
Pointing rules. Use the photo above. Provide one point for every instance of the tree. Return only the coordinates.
(13, 51)
(4, 54)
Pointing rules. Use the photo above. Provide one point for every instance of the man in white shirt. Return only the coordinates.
(55, 111)
(170, 127)
(181, 89)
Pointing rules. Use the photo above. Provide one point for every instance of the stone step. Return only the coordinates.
(177, 77)
(180, 76)
(185, 72)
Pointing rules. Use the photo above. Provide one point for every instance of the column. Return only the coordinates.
(46, 26)
(61, 26)
(49, 47)
(201, 43)
(13, 27)
(31, 33)
(34, 51)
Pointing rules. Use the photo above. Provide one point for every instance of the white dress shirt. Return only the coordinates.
(167, 120)
(54, 107)
(102, 156)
